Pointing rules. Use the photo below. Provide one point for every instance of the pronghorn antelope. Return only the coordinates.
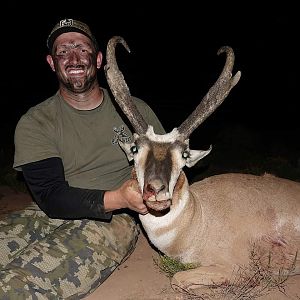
(214, 222)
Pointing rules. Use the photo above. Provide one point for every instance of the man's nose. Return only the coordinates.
(74, 57)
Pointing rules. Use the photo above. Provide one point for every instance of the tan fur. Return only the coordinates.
(229, 215)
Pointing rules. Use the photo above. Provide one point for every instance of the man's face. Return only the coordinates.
(74, 61)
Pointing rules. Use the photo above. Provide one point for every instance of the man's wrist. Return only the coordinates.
(111, 201)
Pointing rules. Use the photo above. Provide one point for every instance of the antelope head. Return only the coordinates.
(159, 159)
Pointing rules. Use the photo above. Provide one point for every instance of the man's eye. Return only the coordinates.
(185, 154)
(134, 149)
(62, 52)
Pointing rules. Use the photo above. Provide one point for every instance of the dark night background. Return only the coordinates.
(172, 65)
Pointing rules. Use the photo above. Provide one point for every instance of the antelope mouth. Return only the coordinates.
(158, 205)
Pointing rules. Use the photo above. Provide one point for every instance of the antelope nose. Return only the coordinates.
(155, 187)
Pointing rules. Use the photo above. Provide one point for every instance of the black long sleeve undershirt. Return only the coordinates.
(46, 181)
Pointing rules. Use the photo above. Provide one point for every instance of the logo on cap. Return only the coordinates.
(66, 22)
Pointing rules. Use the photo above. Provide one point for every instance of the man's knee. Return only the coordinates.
(115, 238)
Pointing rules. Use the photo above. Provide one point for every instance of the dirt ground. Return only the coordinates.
(138, 278)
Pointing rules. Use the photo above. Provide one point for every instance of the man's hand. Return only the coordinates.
(127, 196)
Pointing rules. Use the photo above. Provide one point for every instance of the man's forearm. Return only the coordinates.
(56, 198)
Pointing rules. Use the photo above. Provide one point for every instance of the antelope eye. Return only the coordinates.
(134, 149)
(185, 154)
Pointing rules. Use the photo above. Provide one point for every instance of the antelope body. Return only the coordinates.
(215, 222)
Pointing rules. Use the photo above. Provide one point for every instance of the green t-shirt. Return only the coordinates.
(86, 141)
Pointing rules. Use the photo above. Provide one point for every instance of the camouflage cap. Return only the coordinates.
(70, 25)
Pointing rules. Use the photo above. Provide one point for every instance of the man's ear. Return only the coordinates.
(50, 62)
(99, 59)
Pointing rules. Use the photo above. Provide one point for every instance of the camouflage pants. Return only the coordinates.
(43, 258)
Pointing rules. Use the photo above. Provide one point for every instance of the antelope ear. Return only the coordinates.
(195, 156)
(126, 147)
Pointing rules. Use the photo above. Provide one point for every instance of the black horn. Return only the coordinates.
(215, 96)
(119, 87)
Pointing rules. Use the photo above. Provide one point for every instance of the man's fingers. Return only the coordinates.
(144, 211)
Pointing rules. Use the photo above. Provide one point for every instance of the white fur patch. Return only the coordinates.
(162, 138)
(163, 241)
(152, 224)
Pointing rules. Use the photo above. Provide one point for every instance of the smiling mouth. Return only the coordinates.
(76, 72)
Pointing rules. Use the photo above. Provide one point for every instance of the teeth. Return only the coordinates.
(75, 72)
(152, 198)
